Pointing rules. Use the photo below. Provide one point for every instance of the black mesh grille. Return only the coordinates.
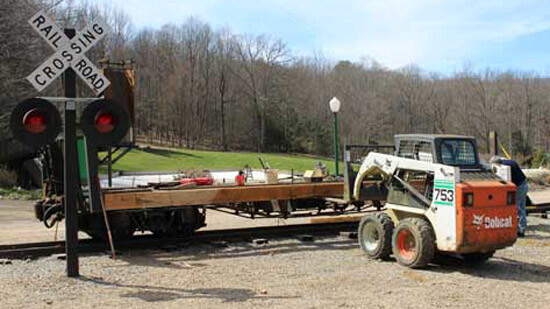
(478, 176)
(417, 150)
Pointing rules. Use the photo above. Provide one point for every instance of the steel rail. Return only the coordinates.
(88, 246)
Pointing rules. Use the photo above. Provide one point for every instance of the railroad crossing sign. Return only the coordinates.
(69, 54)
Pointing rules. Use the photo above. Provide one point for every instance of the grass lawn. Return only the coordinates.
(163, 159)
(20, 194)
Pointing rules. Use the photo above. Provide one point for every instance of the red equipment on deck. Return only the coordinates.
(200, 181)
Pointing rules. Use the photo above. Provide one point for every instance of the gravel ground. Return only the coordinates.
(327, 273)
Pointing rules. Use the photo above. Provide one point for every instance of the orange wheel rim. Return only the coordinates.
(406, 244)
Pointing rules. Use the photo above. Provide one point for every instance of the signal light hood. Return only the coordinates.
(104, 122)
(35, 122)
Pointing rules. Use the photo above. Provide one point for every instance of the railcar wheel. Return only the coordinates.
(120, 224)
(375, 234)
(176, 223)
(413, 242)
(186, 222)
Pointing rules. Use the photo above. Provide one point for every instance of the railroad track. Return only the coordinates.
(87, 246)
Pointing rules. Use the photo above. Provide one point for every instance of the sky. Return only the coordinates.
(438, 36)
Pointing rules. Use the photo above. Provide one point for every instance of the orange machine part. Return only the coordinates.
(490, 223)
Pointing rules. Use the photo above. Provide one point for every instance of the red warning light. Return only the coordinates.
(104, 122)
(34, 121)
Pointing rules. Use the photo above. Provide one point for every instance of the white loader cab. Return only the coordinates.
(437, 197)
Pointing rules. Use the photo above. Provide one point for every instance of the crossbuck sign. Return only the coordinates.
(69, 54)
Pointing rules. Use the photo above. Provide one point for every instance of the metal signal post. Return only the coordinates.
(36, 122)
(71, 167)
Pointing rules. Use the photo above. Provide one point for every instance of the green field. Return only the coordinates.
(163, 159)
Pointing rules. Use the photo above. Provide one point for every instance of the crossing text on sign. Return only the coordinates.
(69, 54)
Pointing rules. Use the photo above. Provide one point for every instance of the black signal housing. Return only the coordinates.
(35, 122)
(104, 122)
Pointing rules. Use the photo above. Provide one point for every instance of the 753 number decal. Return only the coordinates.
(444, 195)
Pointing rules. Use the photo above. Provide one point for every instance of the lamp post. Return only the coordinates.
(335, 108)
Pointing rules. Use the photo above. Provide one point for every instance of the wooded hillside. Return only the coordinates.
(201, 87)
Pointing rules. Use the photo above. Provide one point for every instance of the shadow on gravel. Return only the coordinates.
(246, 249)
(539, 227)
(160, 294)
(149, 260)
(499, 268)
(193, 255)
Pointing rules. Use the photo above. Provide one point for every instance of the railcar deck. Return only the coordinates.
(218, 195)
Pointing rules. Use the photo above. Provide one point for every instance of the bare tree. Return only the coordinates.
(210, 88)
(260, 61)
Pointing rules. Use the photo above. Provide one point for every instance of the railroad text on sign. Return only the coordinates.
(69, 54)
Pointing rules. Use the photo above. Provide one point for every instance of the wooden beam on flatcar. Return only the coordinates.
(121, 200)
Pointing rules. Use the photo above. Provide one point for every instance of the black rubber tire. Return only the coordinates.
(423, 248)
(33, 169)
(382, 226)
(24, 179)
(477, 258)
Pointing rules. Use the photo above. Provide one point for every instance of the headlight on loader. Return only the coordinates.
(468, 199)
